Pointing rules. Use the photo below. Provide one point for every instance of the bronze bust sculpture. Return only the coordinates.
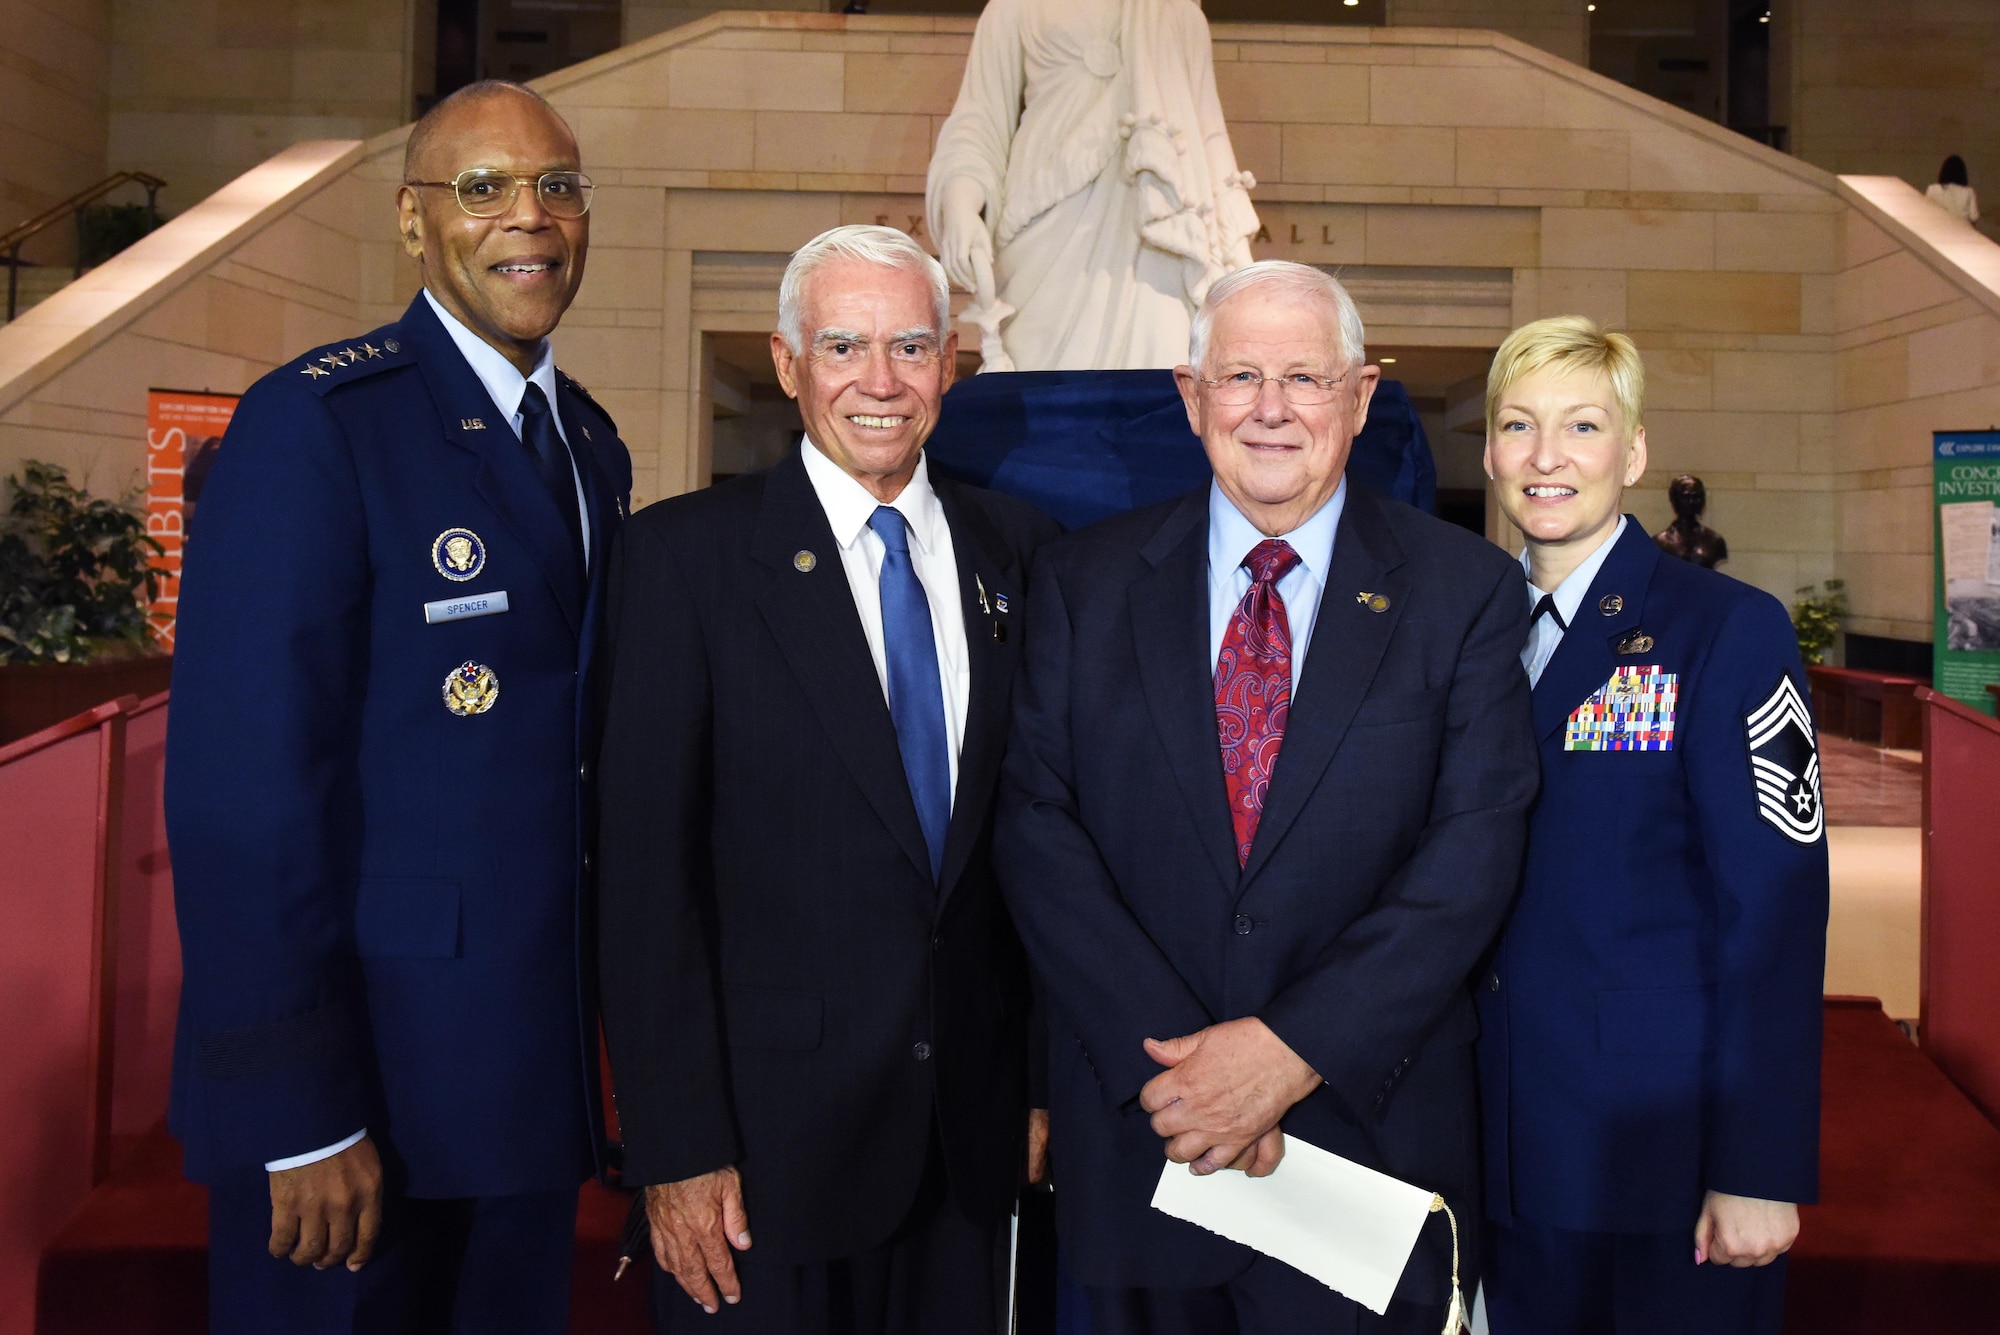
(1687, 537)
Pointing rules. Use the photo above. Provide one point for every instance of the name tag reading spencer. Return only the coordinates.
(459, 609)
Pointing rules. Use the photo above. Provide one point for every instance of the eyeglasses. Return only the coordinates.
(486, 192)
(1300, 389)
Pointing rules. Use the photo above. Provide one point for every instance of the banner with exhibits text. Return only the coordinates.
(1966, 635)
(183, 429)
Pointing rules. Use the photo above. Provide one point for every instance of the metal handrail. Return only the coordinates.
(12, 240)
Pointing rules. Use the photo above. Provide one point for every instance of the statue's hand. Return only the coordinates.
(961, 230)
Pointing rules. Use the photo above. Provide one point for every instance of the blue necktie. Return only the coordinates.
(916, 695)
(552, 462)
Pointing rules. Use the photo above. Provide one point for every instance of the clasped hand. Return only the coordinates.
(1218, 1103)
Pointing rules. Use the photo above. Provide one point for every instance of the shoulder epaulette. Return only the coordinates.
(569, 382)
(337, 364)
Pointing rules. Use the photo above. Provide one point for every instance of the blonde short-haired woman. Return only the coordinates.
(1649, 1055)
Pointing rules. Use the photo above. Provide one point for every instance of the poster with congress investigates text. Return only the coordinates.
(183, 429)
(1966, 635)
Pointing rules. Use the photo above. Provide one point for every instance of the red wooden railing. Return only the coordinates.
(1960, 1017)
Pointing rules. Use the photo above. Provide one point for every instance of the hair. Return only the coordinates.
(1568, 344)
(1295, 280)
(871, 245)
(426, 128)
(1953, 171)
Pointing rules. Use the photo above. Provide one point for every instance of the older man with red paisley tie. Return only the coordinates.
(1254, 892)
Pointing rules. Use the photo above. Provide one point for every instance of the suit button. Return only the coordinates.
(586, 861)
(1493, 983)
(922, 1052)
(583, 772)
(1243, 924)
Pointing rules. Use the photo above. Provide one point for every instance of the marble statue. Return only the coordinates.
(1687, 537)
(1084, 187)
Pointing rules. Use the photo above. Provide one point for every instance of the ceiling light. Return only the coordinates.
(1350, 3)
(1590, 9)
(1385, 361)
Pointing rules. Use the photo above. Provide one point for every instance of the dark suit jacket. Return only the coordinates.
(1651, 1022)
(1389, 845)
(785, 988)
(381, 903)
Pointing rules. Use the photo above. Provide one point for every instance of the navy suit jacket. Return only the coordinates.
(382, 903)
(1386, 854)
(1651, 1021)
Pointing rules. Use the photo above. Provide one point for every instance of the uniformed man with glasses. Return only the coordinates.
(379, 790)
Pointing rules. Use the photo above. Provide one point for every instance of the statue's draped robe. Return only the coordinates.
(1113, 197)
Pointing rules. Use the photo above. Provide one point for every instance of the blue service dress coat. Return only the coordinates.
(1650, 1026)
(378, 804)
(1383, 861)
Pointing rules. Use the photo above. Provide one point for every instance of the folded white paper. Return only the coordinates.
(1349, 1227)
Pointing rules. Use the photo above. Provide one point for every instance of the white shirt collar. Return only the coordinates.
(503, 383)
(849, 505)
(1569, 594)
(1231, 537)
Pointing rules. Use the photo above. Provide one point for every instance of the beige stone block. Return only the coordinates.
(624, 215)
(1861, 240)
(1473, 237)
(636, 138)
(940, 44)
(1884, 520)
(643, 83)
(1369, 155)
(1889, 588)
(621, 278)
(749, 39)
(1816, 439)
(1258, 149)
(850, 142)
(1779, 242)
(1745, 303)
(347, 76)
(1776, 573)
(1425, 95)
(732, 220)
(1676, 378)
(1578, 107)
(1270, 53)
(1543, 159)
(1873, 373)
(1316, 233)
(707, 79)
(902, 82)
(1817, 303)
(612, 358)
(1799, 522)
(1682, 161)
(242, 322)
(1295, 93)
(1962, 355)
(1627, 239)
(904, 212)
(1882, 289)
(1696, 442)
(1774, 381)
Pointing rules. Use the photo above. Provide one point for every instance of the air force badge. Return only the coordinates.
(471, 688)
(1784, 762)
(458, 554)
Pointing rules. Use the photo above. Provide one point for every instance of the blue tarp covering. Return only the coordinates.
(1084, 445)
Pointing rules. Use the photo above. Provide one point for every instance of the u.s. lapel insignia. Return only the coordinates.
(1374, 602)
(1784, 762)
(1611, 604)
(1638, 642)
(471, 424)
(1633, 711)
(803, 562)
(471, 688)
(458, 554)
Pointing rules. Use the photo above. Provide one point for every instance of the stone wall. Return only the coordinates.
(54, 62)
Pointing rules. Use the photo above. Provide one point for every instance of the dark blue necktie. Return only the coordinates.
(916, 695)
(552, 462)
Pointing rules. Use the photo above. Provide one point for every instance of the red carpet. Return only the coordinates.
(1907, 1237)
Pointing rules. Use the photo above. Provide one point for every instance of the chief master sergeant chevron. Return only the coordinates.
(377, 794)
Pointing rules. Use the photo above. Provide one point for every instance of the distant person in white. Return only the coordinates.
(1953, 191)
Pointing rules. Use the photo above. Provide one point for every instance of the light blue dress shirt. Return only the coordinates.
(1231, 537)
(1544, 635)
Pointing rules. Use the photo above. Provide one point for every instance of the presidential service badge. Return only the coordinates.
(458, 554)
(471, 688)
(1633, 711)
(1784, 761)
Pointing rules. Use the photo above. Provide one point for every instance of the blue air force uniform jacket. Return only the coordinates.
(378, 804)
(1651, 1021)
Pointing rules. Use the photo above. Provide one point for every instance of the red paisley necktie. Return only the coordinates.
(1253, 688)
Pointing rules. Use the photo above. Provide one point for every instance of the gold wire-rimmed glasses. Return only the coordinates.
(1301, 389)
(488, 192)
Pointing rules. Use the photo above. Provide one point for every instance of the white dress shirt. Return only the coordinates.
(1231, 538)
(1544, 635)
(848, 507)
(508, 386)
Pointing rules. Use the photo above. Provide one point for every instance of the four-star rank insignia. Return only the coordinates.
(471, 688)
(1784, 761)
(458, 554)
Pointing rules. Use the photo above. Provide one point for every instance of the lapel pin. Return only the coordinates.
(458, 554)
(803, 562)
(1000, 602)
(984, 606)
(471, 424)
(1000, 631)
(1611, 604)
(1374, 602)
(392, 345)
(1638, 642)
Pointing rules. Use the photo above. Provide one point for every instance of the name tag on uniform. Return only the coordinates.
(1634, 711)
(459, 609)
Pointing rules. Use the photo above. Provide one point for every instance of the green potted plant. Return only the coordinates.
(1816, 618)
(75, 575)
